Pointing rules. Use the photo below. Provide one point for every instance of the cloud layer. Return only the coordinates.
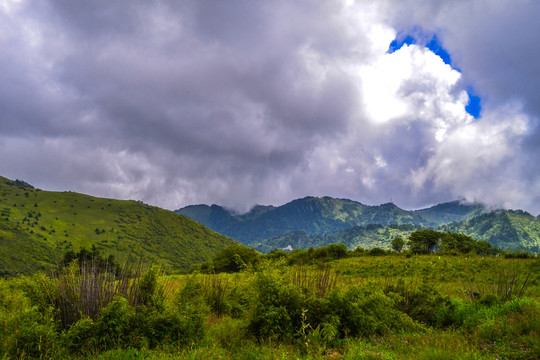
(248, 102)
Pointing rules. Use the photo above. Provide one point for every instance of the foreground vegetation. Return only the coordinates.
(397, 306)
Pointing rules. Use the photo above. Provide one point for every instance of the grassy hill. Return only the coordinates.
(320, 216)
(37, 227)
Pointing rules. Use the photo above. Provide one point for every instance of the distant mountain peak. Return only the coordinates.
(321, 215)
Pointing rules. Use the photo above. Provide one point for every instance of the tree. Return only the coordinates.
(337, 251)
(424, 241)
(234, 258)
(397, 244)
(457, 242)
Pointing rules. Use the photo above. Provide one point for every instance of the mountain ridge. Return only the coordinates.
(321, 216)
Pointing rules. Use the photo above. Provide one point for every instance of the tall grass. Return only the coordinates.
(83, 290)
(509, 282)
(215, 288)
(318, 282)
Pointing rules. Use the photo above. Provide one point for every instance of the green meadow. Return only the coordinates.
(362, 306)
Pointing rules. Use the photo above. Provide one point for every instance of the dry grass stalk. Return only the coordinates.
(318, 282)
(83, 290)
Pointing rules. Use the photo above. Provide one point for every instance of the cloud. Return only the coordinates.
(250, 102)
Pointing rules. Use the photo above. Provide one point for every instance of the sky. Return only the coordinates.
(240, 103)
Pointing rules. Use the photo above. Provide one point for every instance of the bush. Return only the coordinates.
(277, 254)
(233, 259)
(151, 292)
(81, 337)
(278, 308)
(25, 329)
(160, 329)
(397, 244)
(423, 303)
(365, 311)
(377, 252)
(33, 334)
(337, 251)
(284, 311)
(113, 325)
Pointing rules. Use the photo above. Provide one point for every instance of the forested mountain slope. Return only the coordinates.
(505, 229)
(320, 216)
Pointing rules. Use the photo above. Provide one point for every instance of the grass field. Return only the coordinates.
(367, 307)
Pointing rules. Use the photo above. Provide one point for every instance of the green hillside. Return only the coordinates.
(367, 237)
(505, 229)
(453, 211)
(37, 227)
(320, 216)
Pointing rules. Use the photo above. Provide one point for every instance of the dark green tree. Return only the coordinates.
(337, 251)
(397, 244)
(424, 241)
(234, 258)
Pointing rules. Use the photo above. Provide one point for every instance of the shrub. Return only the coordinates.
(81, 337)
(215, 292)
(235, 258)
(25, 331)
(422, 303)
(365, 311)
(377, 252)
(158, 329)
(151, 292)
(278, 308)
(285, 311)
(113, 324)
(337, 251)
(229, 333)
(277, 254)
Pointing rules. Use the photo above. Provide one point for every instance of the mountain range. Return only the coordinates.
(37, 227)
(314, 221)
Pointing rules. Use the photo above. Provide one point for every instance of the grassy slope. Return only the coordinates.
(37, 227)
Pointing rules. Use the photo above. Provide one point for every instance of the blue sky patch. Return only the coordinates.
(435, 46)
(474, 106)
(398, 44)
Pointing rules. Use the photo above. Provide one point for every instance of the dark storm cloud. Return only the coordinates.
(249, 102)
